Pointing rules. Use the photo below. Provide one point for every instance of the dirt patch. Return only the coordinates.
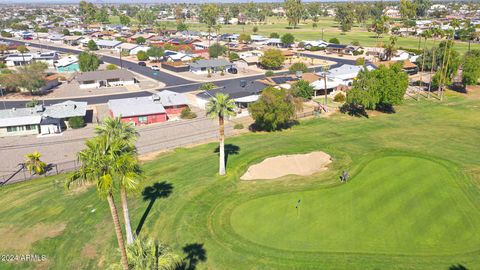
(14, 238)
(299, 164)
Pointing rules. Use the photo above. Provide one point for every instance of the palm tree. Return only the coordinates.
(33, 163)
(221, 106)
(390, 47)
(130, 173)
(435, 32)
(101, 161)
(22, 49)
(144, 253)
(426, 35)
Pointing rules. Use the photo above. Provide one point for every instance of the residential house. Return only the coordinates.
(126, 47)
(27, 58)
(67, 64)
(345, 74)
(407, 66)
(107, 44)
(72, 40)
(148, 110)
(335, 48)
(203, 66)
(106, 78)
(309, 44)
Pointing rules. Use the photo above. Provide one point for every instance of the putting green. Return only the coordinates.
(394, 205)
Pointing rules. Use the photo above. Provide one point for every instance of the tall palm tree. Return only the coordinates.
(22, 49)
(435, 33)
(101, 161)
(145, 253)
(130, 173)
(33, 163)
(221, 106)
(426, 35)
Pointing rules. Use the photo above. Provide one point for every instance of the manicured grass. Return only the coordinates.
(412, 202)
(395, 205)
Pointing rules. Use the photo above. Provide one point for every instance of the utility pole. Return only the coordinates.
(325, 70)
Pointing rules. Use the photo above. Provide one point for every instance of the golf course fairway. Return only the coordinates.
(399, 205)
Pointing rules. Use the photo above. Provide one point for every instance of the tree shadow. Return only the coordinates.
(352, 110)
(230, 149)
(194, 253)
(385, 108)
(152, 193)
(458, 87)
(256, 126)
(457, 267)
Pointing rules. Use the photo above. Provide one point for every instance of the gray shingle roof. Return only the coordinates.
(121, 74)
(170, 98)
(210, 63)
(138, 106)
(66, 109)
(19, 117)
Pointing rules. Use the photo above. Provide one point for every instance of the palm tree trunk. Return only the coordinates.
(325, 84)
(221, 170)
(431, 69)
(443, 70)
(423, 64)
(118, 230)
(126, 216)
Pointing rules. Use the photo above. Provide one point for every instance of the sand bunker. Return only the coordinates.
(299, 164)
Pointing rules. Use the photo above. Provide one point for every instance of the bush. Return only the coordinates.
(187, 114)
(32, 103)
(355, 53)
(238, 126)
(112, 67)
(233, 56)
(299, 66)
(414, 51)
(334, 41)
(76, 122)
(274, 35)
(269, 73)
(356, 43)
(142, 56)
(316, 48)
(272, 59)
(360, 61)
(6, 34)
(339, 97)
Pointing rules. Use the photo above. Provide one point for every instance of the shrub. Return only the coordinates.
(187, 114)
(301, 44)
(356, 43)
(299, 66)
(339, 97)
(233, 56)
(76, 122)
(274, 35)
(142, 56)
(360, 61)
(272, 59)
(238, 126)
(316, 48)
(355, 53)
(32, 103)
(269, 73)
(112, 67)
(334, 41)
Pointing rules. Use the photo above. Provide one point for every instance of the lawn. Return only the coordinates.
(412, 201)
(305, 31)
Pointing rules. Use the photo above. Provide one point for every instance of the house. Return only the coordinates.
(67, 64)
(309, 44)
(107, 44)
(138, 110)
(72, 40)
(27, 58)
(174, 103)
(56, 38)
(407, 66)
(243, 93)
(203, 66)
(106, 78)
(345, 74)
(335, 48)
(135, 50)
(18, 122)
(274, 42)
(39, 120)
(126, 47)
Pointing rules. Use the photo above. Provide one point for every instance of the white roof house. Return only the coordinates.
(170, 98)
(107, 44)
(127, 107)
(135, 50)
(315, 43)
(66, 61)
(345, 73)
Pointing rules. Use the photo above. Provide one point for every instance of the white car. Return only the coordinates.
(155, 68)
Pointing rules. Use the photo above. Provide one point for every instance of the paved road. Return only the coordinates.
(173, 83)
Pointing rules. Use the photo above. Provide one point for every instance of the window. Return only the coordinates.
(142, 119)
(31, 127)
(11, 129)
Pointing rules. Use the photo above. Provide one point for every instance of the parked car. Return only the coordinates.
(143, 64)
(155, 68)
(232, 70)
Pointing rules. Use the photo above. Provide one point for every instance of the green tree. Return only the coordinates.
(129, 174)
(142, 56)
(140, 40)
(145, 16)
(92, 45)
(334, 41)
(76, 122)
(303, 89)
(408, 9)
(273, 110)
(345, 15)
(88, 61)
(272, 59)
(390, 47)
(422, 7)
(66, 32)
(288, 39)
(471, 70)
(22, 49)
(274, 35)
(221, 107)
(233, 56)
(294, 11)
(33, 163)
(30, 77)
(244, 38)
(146, 254)
(361, 13)
(379, 26)
(380, 88)
(208, 15)
(125, 20)
(181, 26)
(298, 66)
(255, 29)
(156, 52)
(216, 50)
(207, 86)
(101, 163)
(87, 11)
